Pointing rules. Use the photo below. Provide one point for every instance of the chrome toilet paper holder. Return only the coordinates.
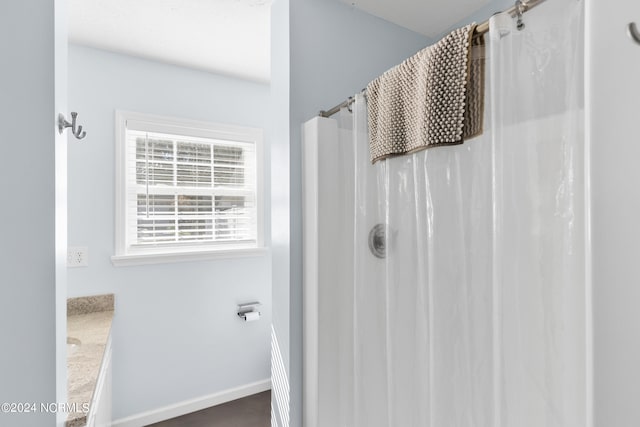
(246, 308)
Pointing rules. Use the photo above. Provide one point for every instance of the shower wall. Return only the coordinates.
(327, 244)
(613, 95)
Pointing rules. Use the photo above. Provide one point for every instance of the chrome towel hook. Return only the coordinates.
(634, 33)
(64, 123)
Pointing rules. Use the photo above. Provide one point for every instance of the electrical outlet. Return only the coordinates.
(77, 257)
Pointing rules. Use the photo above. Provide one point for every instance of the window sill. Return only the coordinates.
(165, 258)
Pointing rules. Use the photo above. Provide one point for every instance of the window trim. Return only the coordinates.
(198, 252)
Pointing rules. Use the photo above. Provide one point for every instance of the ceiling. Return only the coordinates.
(230, 37)
(428, 17)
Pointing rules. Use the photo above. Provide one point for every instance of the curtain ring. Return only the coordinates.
(520, 8)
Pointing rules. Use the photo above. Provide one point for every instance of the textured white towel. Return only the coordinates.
(433, 98)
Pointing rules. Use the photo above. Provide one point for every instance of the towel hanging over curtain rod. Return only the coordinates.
(518, 9)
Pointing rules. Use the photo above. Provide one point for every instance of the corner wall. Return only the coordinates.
(176, 335)
(33, 214)
(280, 214)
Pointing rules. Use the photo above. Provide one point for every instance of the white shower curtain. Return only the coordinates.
(475, 315)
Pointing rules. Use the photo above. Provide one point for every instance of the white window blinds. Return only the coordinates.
(186, 190)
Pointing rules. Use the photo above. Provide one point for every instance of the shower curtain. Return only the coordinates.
(463, 302)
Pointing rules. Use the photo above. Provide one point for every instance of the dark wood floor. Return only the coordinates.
(251, 411)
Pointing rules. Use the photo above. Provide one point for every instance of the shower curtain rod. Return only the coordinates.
(517, 9)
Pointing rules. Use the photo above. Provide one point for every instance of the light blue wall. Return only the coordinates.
(33, 214)
(175, 334)
(280, 204)
(334, 50)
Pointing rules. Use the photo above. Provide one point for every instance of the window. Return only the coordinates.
(186, 190)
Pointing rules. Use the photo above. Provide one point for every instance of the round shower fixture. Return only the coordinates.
(378, 241)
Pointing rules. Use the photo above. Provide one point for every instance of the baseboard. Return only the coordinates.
(188, 406)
